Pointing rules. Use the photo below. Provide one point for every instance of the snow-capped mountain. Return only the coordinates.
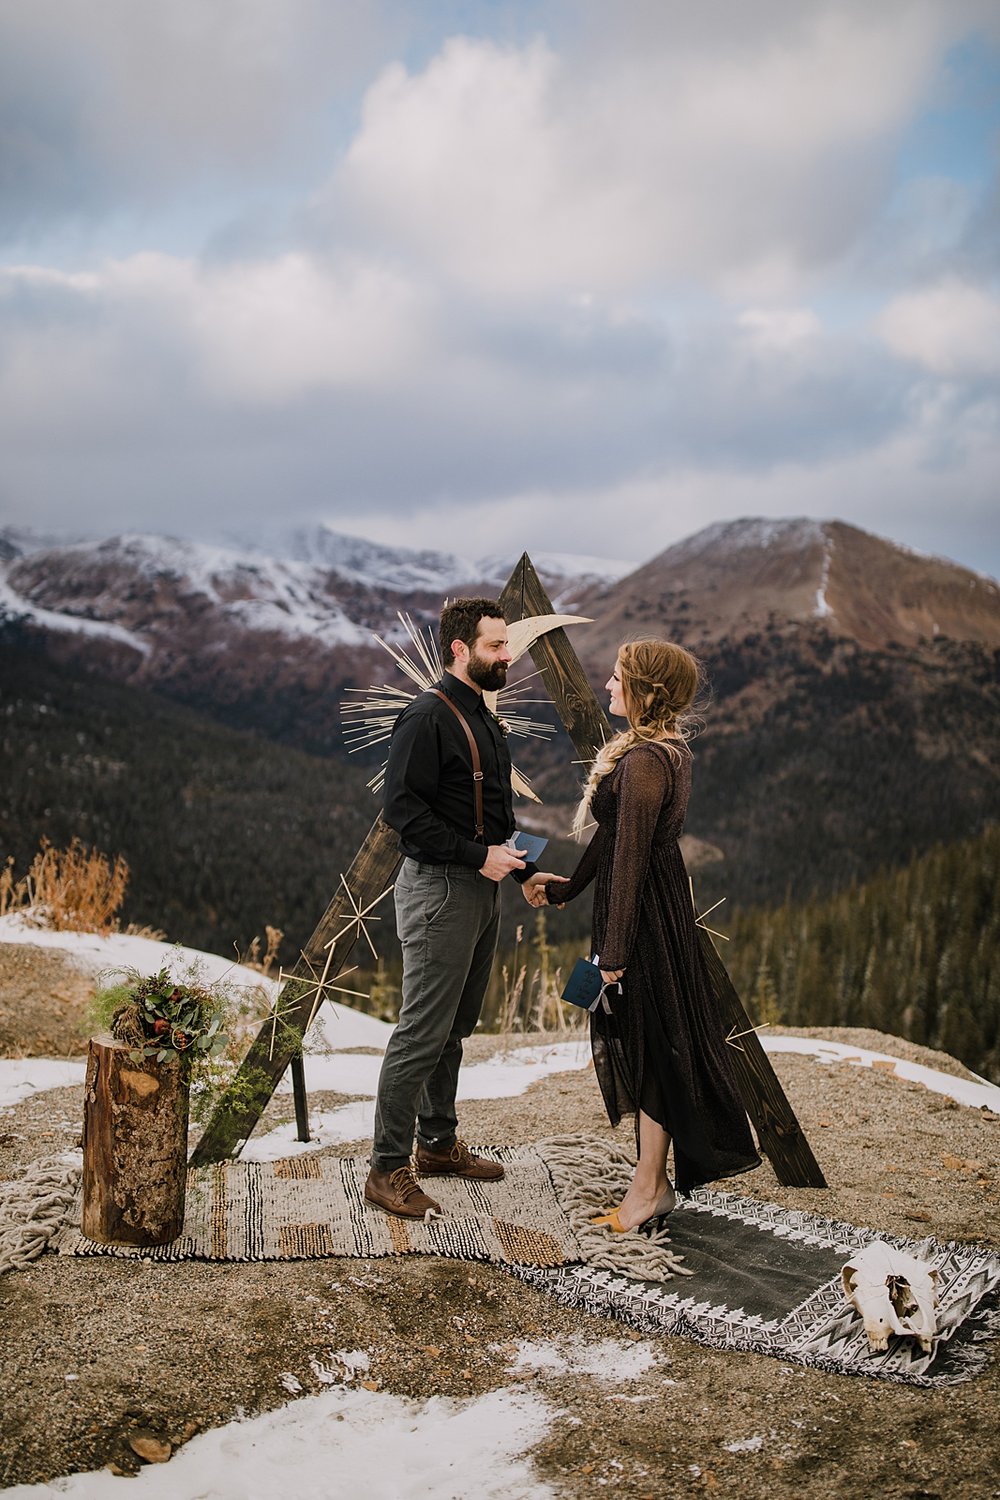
(370, 563)
(141, 591)
(736, 577)
(855, 704)
(261, 641)
(378, 566)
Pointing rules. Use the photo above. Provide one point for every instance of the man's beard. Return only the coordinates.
(491, 676)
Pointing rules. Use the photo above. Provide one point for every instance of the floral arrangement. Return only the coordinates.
(158, 1016)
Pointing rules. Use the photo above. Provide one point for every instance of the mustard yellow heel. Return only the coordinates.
(667, 1203)
(612, 1220)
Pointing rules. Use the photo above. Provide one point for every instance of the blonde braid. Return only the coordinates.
(659, 684)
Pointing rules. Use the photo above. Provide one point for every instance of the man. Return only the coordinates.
(447, 900)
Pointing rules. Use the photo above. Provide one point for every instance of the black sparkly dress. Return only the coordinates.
(662, 1049)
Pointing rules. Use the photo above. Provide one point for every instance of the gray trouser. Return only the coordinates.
(447, 918)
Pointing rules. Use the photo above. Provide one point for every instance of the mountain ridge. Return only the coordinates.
(843, 731)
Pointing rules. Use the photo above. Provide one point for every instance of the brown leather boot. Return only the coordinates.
(398, 1193)
(458, 1161)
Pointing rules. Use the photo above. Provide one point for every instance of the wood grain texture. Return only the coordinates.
(135, 1125)
(558, 664)
(778, 1131)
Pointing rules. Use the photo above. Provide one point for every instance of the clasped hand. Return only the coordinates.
(533, 889)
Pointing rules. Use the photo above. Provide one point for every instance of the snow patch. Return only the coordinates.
(756, 533)
(15, 605)
(20, 1077)
(502, 1077)
(978, 1095)
(608, 1359)
(823, 610)
(328, 1127)
(330, 1444)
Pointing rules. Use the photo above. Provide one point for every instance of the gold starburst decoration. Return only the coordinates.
(321, 986)
(372, 712)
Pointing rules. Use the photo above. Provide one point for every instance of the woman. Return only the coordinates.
(661, 1052)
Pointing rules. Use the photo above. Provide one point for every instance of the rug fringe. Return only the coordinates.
(589, 1176)
(34, 1207)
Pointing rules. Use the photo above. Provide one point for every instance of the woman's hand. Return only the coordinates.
(533, 889)
(611, 976)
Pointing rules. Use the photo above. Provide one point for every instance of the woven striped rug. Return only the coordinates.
(312, 1206)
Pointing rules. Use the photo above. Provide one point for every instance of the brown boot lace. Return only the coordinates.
(404, 1182)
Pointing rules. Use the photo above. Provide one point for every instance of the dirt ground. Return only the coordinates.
(177, 1348)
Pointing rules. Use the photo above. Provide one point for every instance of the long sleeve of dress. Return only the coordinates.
(643, 784)
(558, 891)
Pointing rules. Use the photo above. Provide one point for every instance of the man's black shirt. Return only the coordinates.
(429, 790)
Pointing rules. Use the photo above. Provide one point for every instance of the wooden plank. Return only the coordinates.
(239, 1109)
(298, 1073)
(779, 1132)
(558, 664)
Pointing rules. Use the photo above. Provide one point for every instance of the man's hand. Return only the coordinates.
(533, 890)
(611, 976)
(500, 860)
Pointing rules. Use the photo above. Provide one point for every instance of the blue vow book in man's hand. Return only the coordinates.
(530, 845)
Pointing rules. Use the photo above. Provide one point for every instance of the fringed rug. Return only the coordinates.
(756, 1277)
(311, 1206)
(767, 1280)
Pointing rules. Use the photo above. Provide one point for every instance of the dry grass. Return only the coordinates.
(252, 958)
(534, 1004)
(76, 889)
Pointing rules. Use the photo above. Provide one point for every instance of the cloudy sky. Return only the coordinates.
(571, 274)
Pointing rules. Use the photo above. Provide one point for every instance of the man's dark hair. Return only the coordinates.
(460, 622)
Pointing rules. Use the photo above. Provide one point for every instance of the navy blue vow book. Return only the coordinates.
(584, 985)
(530, 845)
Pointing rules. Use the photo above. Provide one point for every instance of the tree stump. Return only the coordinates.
(135, 1125)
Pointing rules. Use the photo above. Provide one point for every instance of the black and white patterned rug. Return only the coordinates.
(766, 1279)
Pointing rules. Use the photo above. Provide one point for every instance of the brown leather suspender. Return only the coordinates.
(477, 766)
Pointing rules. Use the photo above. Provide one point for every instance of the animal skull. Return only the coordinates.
(894, 1293)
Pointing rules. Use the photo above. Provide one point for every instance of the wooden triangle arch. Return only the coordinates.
(277, 1047)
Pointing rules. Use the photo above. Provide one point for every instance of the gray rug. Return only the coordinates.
(767, 1280)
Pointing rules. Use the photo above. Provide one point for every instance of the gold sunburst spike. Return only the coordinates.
(321, 993)
(733, 1036)
(426, 646)
(699, 917)
(319, 986)
(370, 717)
(358, 920)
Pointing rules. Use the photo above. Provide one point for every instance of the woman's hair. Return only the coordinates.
(660, 682)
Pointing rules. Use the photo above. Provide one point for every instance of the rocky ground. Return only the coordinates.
(94, 1352)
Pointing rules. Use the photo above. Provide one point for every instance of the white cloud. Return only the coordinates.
(271, 331)
(112, 103)
(952, 329)
(545, 286)
(523, 170)
(780, 327)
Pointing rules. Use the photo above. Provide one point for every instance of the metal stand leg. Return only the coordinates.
(301, 1102)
